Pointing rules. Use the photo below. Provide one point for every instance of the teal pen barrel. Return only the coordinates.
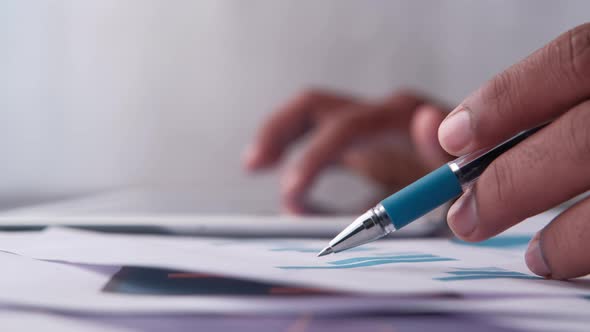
(422, 196)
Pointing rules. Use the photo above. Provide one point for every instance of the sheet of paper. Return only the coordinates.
(37, 286)
(108, 277)
(392, 267)
(78, 288)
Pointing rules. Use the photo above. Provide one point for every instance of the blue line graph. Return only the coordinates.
(284, 245)
(500, 242)
(303, 249)
(483, 273)
(367, 261)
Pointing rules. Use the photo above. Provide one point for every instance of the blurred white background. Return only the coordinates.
(100, 95)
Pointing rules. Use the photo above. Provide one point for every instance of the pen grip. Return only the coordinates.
(422, 196)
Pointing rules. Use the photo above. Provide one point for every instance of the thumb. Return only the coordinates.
(424, 132)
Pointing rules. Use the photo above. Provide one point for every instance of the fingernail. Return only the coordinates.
(250, 156)
(455, 132)
(534, 258)
(462, 216)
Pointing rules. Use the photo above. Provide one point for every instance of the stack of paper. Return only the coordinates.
(89, 273)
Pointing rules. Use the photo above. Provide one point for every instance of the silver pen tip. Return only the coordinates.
(326, 251)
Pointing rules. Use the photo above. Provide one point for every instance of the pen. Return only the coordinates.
(412, 202)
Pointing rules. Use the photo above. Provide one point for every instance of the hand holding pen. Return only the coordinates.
(543, 171)
(520, 176)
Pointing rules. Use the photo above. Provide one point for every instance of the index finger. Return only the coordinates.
(288, 123)
(535, 90)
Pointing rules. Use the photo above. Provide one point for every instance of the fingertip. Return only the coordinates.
(534, 258)
(424, 128)
(255, 157)
(292, 201)
(424, 124)
(292, 186)
(462, 217)
(291, 207)
(455, 133)
(251, 157)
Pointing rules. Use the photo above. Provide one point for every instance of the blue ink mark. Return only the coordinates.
(294, 249)
(356, 262)
(503, 241)
(398, 257)
(283, 246)
(483, 273)
(477, 277)
(236, 242)
(315, 250)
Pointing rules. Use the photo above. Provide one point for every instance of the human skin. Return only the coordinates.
(548, 168)
(349, 132)
(543, 171)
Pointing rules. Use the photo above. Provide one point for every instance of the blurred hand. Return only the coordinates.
(548, 168)
(392, 141)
